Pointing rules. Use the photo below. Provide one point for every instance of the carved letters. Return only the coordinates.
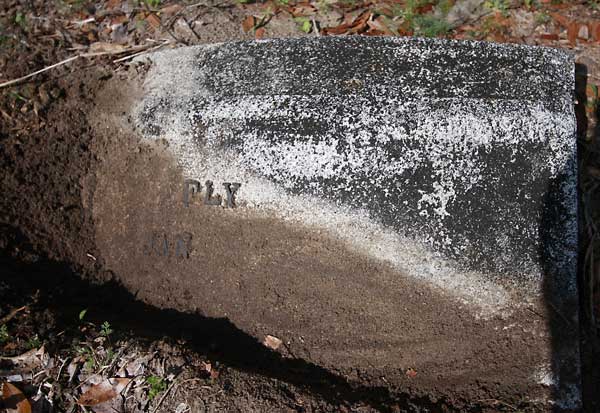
(193, 187)
(161, 244)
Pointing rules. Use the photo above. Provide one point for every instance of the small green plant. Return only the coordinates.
(422, 24)
(17, 96)
(444, 6)
(4, 335)
(323, 6)
(110, 355)
(157, 385)
(153, 3)
(90, 360)
(82, 314)
(542, 18)
(283, 2)
(304, 24)
(497, 5)
(20, 20)
(90, 364)
(33, 342)
(408, 11)
(430, 26)
(105, 329)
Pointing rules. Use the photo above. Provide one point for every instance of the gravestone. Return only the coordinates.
(399, 211)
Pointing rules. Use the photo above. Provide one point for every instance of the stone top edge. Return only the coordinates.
(566, 55)
(364, 65)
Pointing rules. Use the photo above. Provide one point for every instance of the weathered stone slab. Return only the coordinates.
(380, 204)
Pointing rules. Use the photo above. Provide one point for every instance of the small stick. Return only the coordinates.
(14, 81)
(164, 396)
(61, 368)
(11, 315)
(64, 62)
(122, 59)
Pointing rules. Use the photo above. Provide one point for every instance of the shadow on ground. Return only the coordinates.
(60, 290)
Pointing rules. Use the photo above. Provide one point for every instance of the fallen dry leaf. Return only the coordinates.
(259, 33)
(341, 29)
(209, 370)
(172, 9)
(595, 30)
(560, 19)
(153, 20)
(28, 361)
(73, 367)
(549, 36)
(302, 10)
(248, 23)
(14, 400)
(207, 367)
(424, 9)
(584, 32)
(118, 19)
(572, 32)
(272, 342)
(351, 25)
(105, 47)
(378, 26)
(375, 32)
(360, 23)
(103, 392)
(112, 4)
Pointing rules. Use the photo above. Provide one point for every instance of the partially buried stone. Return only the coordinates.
(392, 192)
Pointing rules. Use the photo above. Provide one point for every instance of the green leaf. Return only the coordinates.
(82, 314)
(306, 26)
(153, 3)
(157, 385)
(105, 329)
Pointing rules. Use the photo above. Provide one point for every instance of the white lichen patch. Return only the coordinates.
(389, 165)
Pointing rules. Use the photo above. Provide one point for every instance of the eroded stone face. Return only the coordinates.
(313, 187)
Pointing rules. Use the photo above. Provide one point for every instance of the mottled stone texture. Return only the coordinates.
(466, 150)
(467, 147)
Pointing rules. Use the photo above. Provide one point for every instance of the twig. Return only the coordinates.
(164, 396)
(72, 58)
(122, 59)
(11, 315)
(191, 28)
(160, 23)
(15, 81)
(61, 368)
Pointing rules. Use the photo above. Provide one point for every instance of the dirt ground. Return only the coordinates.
(54, 290)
